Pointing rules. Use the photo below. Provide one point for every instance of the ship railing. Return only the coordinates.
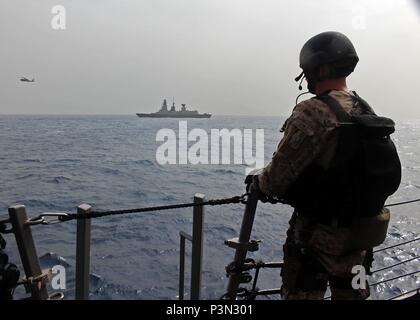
(36, 279)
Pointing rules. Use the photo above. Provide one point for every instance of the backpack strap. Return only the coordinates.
(335, 107)
(367, 109)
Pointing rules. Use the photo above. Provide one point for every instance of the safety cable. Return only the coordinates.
(395, 278)
(396, 245)
(413, 292)
(62, 217)
(97, 214)
(397, 264)
(400, 203)
(386, 280)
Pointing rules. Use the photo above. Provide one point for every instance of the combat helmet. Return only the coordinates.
(327, 48)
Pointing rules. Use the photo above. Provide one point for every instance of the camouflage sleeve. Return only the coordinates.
(304, 138)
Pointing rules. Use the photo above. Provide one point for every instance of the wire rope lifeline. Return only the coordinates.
(212, 202)
(62, 217)
(396, 245)
(97, 214)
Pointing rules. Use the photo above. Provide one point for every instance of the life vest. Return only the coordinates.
(364, 171)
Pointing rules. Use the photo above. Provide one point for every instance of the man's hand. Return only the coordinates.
(251, 180)
(252, 184)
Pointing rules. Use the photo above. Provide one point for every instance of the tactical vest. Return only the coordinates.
(364, 171)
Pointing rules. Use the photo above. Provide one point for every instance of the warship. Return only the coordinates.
(172, 113)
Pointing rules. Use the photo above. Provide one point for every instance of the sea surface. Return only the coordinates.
(55, 163)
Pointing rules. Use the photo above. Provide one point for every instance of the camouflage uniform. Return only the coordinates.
(314, 253)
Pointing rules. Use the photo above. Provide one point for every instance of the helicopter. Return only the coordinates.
(23, 79)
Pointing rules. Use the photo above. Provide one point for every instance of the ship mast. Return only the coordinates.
(173, 104)
(164, 106)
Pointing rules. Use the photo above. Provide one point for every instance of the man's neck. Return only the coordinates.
(331, 84)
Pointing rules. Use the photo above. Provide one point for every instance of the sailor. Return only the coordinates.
(9, 274)
(320, 248)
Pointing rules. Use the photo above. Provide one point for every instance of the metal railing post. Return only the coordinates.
(182, 236)
(243, 243)
(83, 254)
(181, 267)
(197, 247)
(27, 250)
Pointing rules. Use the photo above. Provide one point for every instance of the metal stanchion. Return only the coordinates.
(197, 247)
(83, 254)
(27, 251)
(242, 246)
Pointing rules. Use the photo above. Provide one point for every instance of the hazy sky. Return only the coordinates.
(219, 56)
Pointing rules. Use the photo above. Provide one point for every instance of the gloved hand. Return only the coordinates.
(252, 179)
(252, 183)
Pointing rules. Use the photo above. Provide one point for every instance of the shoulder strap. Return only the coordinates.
(367, 109)
(335, 107)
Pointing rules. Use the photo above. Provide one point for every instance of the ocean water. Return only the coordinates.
(55, 163)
